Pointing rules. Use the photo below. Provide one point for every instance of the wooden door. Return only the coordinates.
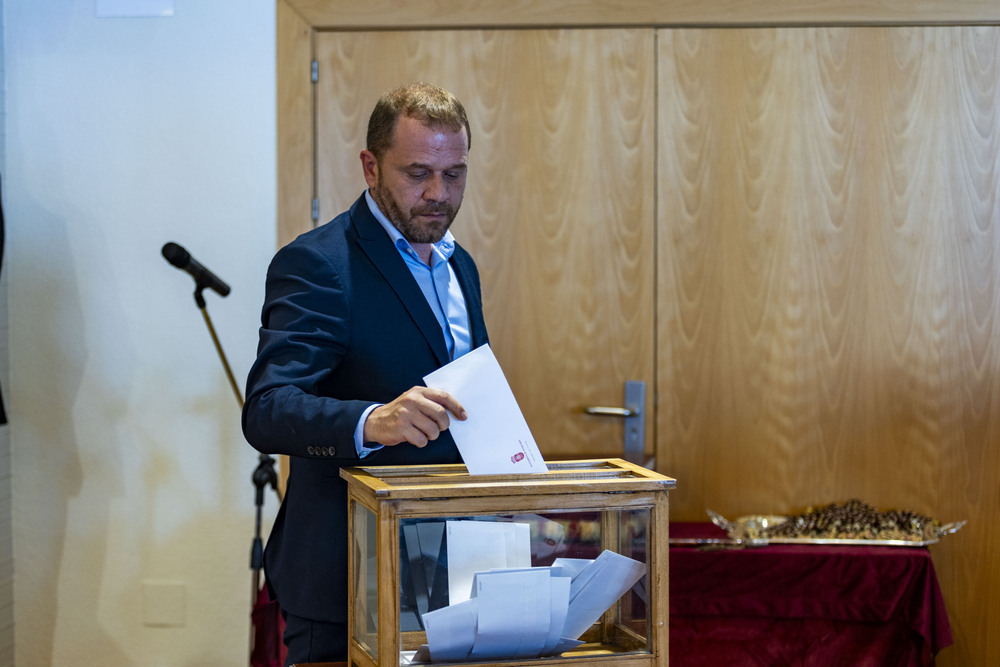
(829, 283)
(558, 211)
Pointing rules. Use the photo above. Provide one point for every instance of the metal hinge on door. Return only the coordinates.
(314, 76)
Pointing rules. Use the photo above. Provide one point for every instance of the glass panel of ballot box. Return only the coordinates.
(559, 567)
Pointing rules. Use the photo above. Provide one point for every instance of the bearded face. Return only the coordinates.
(425, 222)
(419, 181)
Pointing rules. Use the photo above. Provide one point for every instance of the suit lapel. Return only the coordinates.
(468, 278)
(375, 243)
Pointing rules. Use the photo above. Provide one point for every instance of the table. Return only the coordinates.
(794, 604)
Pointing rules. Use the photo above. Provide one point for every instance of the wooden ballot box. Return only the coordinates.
(415, 532)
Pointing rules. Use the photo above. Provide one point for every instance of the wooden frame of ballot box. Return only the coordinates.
(594, 505)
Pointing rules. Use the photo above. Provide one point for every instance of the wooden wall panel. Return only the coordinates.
(295, 123)
(827, 253)
(559, 207)
(829, 282)
(374, 14)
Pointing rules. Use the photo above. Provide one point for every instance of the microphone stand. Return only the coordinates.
(263, 476)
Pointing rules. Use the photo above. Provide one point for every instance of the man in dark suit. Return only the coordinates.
(356, 313)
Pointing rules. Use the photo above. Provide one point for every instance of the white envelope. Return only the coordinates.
(597, 587)
(495, 438)
(451, 631)
(478, 546)
(514, 613)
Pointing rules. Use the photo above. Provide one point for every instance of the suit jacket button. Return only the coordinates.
(333, 451)
(310, 449)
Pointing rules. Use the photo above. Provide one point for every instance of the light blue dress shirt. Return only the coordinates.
(443, 293)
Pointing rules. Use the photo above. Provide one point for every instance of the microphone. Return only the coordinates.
(183, 260)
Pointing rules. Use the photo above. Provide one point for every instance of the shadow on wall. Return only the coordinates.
(3, 412)
(62, 526)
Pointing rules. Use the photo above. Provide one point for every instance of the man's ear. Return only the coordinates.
(369, 165)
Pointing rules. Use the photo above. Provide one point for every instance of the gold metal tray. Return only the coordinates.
(751, 531)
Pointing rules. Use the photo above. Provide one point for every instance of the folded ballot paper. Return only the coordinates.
(495, 438)
(522, 612)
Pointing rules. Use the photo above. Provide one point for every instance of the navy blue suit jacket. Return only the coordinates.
(344, 325)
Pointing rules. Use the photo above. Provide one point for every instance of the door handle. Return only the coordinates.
(605, 411)
(633, 420)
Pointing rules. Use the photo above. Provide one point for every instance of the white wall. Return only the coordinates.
(130, 473)
(6, 527)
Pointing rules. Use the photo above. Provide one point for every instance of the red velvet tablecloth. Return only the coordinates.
(802, 604)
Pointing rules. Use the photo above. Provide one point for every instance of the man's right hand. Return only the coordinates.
(416, 417)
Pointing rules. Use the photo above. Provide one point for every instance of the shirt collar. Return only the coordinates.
(443, 248)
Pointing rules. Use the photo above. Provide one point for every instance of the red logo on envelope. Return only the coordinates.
(517, 457)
